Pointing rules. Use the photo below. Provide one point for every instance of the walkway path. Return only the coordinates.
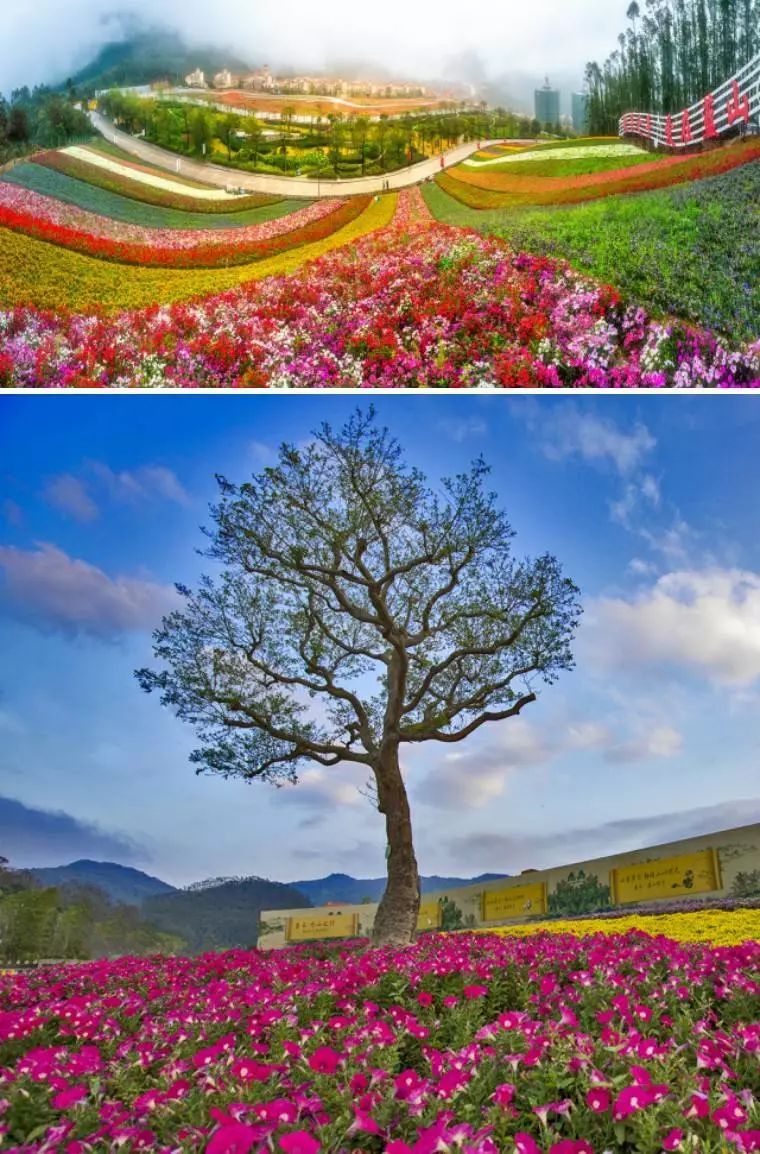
(280, 185)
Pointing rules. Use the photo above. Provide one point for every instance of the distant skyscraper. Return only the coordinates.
(547, 104)
(580, 112)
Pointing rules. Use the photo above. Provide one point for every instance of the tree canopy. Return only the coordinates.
(347, 578)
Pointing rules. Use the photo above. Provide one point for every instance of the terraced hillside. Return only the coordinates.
(489, 281)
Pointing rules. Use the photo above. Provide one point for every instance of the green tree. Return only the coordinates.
(227, 127)
(341, 564)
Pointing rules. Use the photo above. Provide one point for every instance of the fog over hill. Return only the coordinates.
(503, 45)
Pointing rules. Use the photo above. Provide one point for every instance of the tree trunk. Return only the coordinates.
(396, 918)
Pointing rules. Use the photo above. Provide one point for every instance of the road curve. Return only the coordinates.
(280, 185)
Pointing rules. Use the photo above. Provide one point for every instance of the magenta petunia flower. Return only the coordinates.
(64, 1099)
(325, 1060)
(234, 1138)
(598, 1100)
(299, 1142)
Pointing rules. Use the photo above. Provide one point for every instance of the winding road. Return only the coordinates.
(280, 185)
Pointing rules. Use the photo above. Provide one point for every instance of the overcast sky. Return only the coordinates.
(49, 39)
(650, 504)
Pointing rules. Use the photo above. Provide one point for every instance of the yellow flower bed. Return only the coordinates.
(717, 927)
(38, 273)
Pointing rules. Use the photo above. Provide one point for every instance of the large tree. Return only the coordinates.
(347, 578)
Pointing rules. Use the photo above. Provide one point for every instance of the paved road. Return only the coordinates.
(279, 185)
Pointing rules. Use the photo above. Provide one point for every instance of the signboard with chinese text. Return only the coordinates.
(515, 902)
(308, 928)
(693, 873)
(734, 104)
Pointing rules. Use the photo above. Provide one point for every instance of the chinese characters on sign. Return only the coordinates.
(731, 105)
(325, 926)
(515, 902)
(693, 873)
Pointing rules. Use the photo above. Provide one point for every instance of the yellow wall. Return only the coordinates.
(702, 866)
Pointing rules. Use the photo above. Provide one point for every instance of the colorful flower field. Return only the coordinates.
(496, 189)
(550, 1043)
(418, 305)
(45, 218)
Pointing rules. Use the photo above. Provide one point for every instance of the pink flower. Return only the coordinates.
(363, 1123)
(299, 1142)
(234, 1138)
(325, 1060)
(475, 991)
(249, 1070)
(504, 1094)
(699, 1108)
(598, 1100)
(69, 1097)
(425, 999)
(729, 1116)
(525, 1144)
(630, 1100)
(672, 1139)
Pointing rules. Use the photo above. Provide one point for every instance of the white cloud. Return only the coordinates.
(147, 482)
(539, 849)
(51, 589)
(460, 430)
(571, 432)
(70, 495)
(660, 741)
(46, 41)
(704, 621)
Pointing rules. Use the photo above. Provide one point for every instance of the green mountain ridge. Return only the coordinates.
(147, 55)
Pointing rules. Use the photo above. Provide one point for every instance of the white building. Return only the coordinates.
(196, 79)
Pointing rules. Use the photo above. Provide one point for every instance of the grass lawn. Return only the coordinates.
(692, 250)
(111, 204)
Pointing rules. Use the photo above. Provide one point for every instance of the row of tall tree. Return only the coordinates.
(671, 54)
(330, 145)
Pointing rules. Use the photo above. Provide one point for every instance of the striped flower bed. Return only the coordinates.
(419, 305)
(124, 185)
(51, 220)
(494, 190)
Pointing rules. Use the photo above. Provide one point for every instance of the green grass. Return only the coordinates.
(691, 251)
(105, 203)
(583, 166)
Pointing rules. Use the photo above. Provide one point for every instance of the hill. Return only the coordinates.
(220, 916)
(343, 888)
(122, 884)
(153, 54)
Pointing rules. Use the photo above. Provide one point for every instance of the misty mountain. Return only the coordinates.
(220, 917)
(120, 883)
(352, 891)
(146, 55)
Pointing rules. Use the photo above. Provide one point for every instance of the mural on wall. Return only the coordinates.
(579, 893)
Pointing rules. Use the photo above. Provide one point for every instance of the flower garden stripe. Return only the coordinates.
(51, 277)
(147, 193)
(416, 305)
(44, 218)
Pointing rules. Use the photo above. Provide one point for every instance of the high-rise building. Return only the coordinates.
(580, 112)
(547, 105)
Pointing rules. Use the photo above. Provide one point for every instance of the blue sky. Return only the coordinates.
(651, 503)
